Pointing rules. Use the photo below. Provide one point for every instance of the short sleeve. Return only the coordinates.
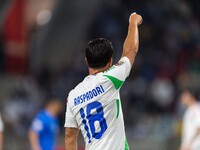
(70, 121)
(119, 72)
(1, 125)
(197, 118)
(37, 125)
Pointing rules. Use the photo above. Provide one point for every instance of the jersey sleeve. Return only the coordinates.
(70, 121)
(197, 119)
(118, 73)
(37, 125)
(1, 125)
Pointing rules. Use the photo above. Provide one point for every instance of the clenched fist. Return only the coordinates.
(135, 18)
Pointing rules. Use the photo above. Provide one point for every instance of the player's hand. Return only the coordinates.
(135, 18)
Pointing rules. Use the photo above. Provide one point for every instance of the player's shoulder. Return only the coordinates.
(89, 83)
(123, 63)
(197, 108)
(124, 60)
(75, 91)
(41, 115)
(193, 111)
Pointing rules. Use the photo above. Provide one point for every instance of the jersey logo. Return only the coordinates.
(119, 63)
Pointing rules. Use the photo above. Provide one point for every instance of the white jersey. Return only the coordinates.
(94, 107)
(1, 125)
(191, 124)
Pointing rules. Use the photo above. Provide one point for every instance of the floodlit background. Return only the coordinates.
(42, 45)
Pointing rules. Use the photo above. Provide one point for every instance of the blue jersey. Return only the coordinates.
(46, 126)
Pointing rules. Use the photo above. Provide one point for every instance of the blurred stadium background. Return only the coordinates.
(42, 45)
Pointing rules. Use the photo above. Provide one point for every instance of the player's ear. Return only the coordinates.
(110, 62)
(86, 61)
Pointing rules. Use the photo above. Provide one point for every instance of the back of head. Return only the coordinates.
(192, 91)
(54, 105)
(98, 53)
(189, 96)
(53, 101)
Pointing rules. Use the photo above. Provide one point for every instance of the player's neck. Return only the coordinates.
(93, 71)
(51, 111)
(192, 103)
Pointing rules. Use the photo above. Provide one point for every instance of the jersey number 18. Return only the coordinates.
(92, 118)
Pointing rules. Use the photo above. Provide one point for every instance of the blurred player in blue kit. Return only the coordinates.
(94, 105)
(45, 127)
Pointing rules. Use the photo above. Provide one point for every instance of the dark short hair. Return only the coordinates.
(99, 52)
(52, 100)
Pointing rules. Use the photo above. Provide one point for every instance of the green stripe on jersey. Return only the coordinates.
(126, 146)
(118, 104)
(116, 82)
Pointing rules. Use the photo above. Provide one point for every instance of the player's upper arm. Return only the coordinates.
(118, 73)
(1, 125)
(37, 125)
(71, 138)
(34, 140)
(71, 135)
(197, 119)
(70, 120)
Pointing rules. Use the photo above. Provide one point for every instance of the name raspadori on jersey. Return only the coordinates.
(89, 95)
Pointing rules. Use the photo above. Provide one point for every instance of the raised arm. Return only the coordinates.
(131, 43)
